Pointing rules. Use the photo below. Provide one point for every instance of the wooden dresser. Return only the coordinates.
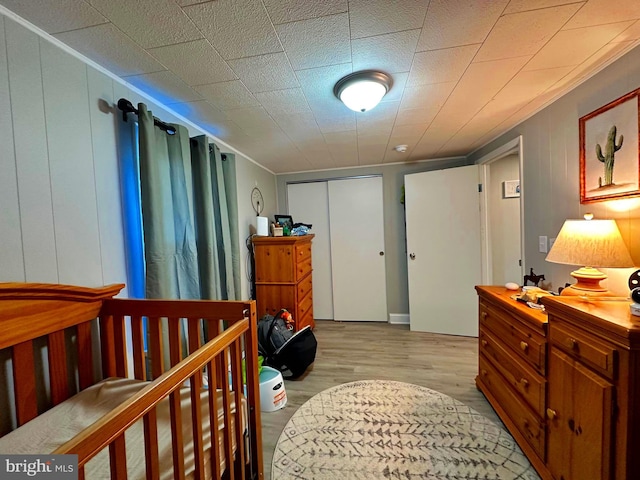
(564, 383)
(283, 277)
(512, 367)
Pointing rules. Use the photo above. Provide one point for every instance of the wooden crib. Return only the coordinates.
(93, 341)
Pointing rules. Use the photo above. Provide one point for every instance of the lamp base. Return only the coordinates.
(588, 283)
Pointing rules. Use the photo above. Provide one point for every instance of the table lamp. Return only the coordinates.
(591, 244)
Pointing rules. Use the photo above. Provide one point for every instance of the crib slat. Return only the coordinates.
(213, 418)
(152, 460)
(118, 458)
(120, 345)
(253, 389)
(155, 347)
(196, 424)
(176, 435)
(57, 354)
(24, 382)
(85, 355)
(108, 347)
(137, 336)
(226, 405)
(195, 334)
(175, 341)
(80, 472)
(236, 375)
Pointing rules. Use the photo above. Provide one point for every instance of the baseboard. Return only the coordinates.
(399, 318)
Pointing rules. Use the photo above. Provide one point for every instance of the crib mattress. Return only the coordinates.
(56, 426)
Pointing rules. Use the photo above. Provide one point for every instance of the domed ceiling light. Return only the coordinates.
(361, 91)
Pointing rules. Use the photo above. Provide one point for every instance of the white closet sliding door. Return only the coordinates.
(357, 249)
(309, 203)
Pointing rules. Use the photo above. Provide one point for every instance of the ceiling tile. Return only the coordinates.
(399, 82)
(596, 62)
(228, 95)
(317, 85)
(112, 49)
(516, 6)
(430, 96)
(371, 149)
(164, 86)
(170, 23)
(385, 113)
(299, 127)
(284, 11)
(631, 33)
(316, 42)
(265, 72)
(415, 116)
(213, 120)
(336, 123)
(572, 47)
(197, 63)
(599, 12)
(467, 23)
(408, 135)
(254, 121)
(524, 33)
(54, 16)
(390, 53)
(237, 28)
(282, 102)
(528, 84)
(476, 88)
(437, 66)
(375, 17)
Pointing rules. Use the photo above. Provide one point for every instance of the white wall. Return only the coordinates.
(61, 215)
(550, 183)
(505, 221)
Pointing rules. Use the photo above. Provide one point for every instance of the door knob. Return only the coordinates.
(381, 254)
(412, 256)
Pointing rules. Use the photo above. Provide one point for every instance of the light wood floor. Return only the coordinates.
(349, 351)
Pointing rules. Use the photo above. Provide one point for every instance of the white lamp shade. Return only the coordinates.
(593, 243)
(363, 95)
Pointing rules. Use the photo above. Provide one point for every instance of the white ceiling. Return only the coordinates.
(259, 74)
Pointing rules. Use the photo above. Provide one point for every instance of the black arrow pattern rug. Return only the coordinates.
(381, 429)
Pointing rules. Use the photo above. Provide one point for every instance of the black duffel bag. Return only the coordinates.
(290, 353)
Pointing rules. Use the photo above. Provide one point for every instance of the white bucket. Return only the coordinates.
(272, 393)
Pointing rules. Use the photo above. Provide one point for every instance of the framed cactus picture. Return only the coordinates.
(609, 151)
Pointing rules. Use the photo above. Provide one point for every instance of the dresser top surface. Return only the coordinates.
(610, 313)
(502, 296)
(282, 240)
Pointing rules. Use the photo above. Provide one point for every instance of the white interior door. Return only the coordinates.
(357, 249)
(443, 246)
(309, 203)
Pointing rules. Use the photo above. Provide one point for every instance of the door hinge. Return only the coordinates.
(479, 188)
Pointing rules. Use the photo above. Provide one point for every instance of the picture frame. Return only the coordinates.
(511, 189)
(284, 220)
(609, 150)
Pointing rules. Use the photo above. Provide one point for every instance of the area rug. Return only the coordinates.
(382, 429)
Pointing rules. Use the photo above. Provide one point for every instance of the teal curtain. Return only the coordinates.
(166, 191)
(189, 215)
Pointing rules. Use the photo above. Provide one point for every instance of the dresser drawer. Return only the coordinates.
(305, 306)
(303, 267)
(526, 343)
(528, 424)
(302, 252)
(586, 348)
(304, 287)
(525, 380)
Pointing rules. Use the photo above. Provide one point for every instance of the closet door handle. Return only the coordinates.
(382, 254)
(412, 256)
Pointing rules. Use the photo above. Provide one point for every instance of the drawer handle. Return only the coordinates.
(525, 383)
(484, 343)
(484, 315)
(572, 343)
(551, 414)
(484, 372)
(524, 346)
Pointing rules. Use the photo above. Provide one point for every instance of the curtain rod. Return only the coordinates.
(127, 107)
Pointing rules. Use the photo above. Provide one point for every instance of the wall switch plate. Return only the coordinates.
(551, 242)
(542, 244)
